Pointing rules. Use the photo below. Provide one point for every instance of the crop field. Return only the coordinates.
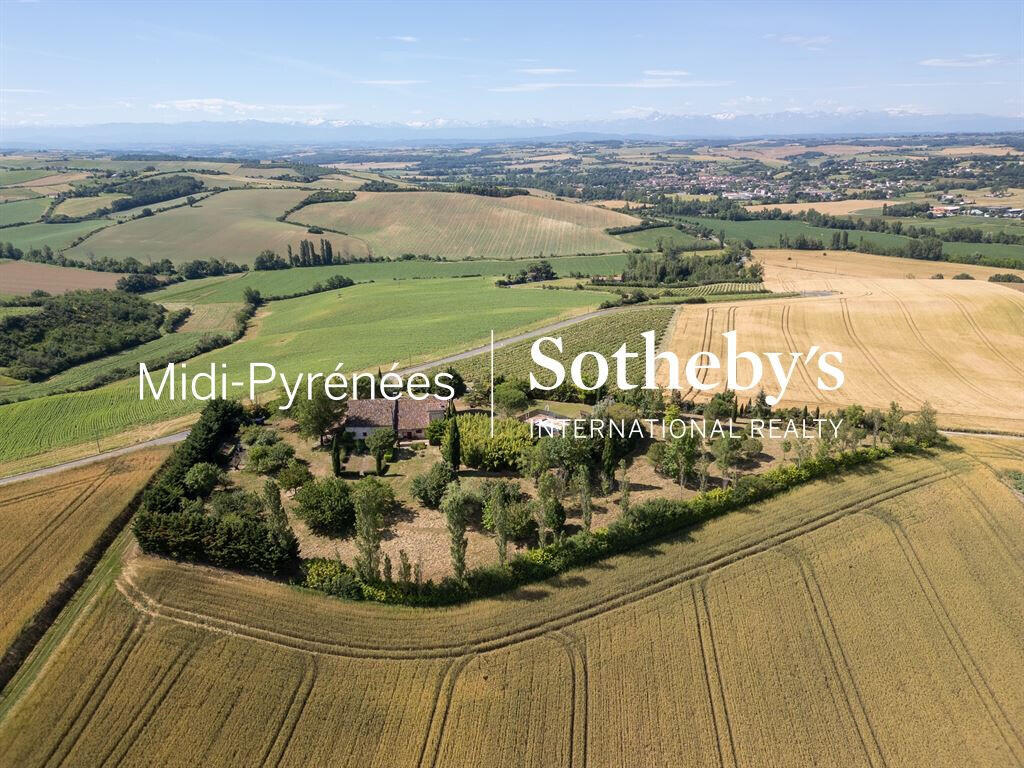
(180, 343)
(649, 238)
(50, 522)
(603, 334)
(458, 226)
(956, 344)
(868, 621)
(832, 207)
(425, 319)
(790, 270)
(23, 211)
(291, 281)
(10, 177)
(27, 276)
(765, 233)
(57, 236)
(83, 206)
(7, 194)
(234, 225)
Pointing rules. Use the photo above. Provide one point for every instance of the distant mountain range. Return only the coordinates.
(252, 133)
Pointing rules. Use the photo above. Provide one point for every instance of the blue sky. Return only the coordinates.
(80, 63)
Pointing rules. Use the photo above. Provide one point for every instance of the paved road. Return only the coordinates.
(177, 437)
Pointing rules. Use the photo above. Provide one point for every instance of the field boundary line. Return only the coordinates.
(837, 656)
(952, 634)
(148, 604)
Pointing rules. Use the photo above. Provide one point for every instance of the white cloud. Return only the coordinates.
(232, 108)
(666, 72)
(387, 83)
(545, 71)
(746, 100)
(807, 42)
(635, 111)
(967, 61)
(636, 84)
(404, 38)
(21, 90)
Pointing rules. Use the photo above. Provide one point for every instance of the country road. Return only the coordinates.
(177, 437)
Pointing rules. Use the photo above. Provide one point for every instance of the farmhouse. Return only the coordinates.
(408, 417)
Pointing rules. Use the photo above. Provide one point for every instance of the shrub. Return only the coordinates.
(331, 577)
(429, 487)
(202, 478)
(481, 451)
(294, 474)
(326, 506)
(268, 459)
(255, 434)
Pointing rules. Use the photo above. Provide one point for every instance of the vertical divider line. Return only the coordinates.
(492, 382)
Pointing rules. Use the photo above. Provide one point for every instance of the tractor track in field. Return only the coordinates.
(787, 334)
(980, 333)
(289, 721)
(997, 714)
(148, 604)
(715, 686)
(838, 659)
(879, 369)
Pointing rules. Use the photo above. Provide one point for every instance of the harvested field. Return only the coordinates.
(234, 225)
(790, 270)
(862, 622)
(956, 344)
(832, 207)
(458, 226)
(27, 276)
(50, 522)
(83, 206)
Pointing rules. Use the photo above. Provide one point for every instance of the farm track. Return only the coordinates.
(149, 605)
(1003, 724)
(879, 369)
(931, 350)
(578, 709)
(52, 526)
(787, 334)
(980, 333)
(277, 746)
(442, 706)
(150, 706)
(705, 338)
(838, 660)
(713, 684)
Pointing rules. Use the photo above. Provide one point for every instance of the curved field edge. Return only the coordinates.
(691, 651)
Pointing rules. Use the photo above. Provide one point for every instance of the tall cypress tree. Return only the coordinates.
(336, 456)
(451, 447)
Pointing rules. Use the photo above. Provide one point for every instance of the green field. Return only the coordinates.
(985, 249)
(9, 177)
(458, 226)
(603, 334)
(234, 225)
(649, 238)
(57, 236)
(290, 281)
(423, 319)
(82, 375)
(83, 206)
(22, 211)
(764, 233)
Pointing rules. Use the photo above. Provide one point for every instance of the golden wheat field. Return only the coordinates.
(458, 226)
(870, 621)
(48, 523)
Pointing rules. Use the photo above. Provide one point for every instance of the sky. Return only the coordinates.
(76, 63)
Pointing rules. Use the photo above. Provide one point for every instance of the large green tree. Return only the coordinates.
(374, 499)
(318, 414)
